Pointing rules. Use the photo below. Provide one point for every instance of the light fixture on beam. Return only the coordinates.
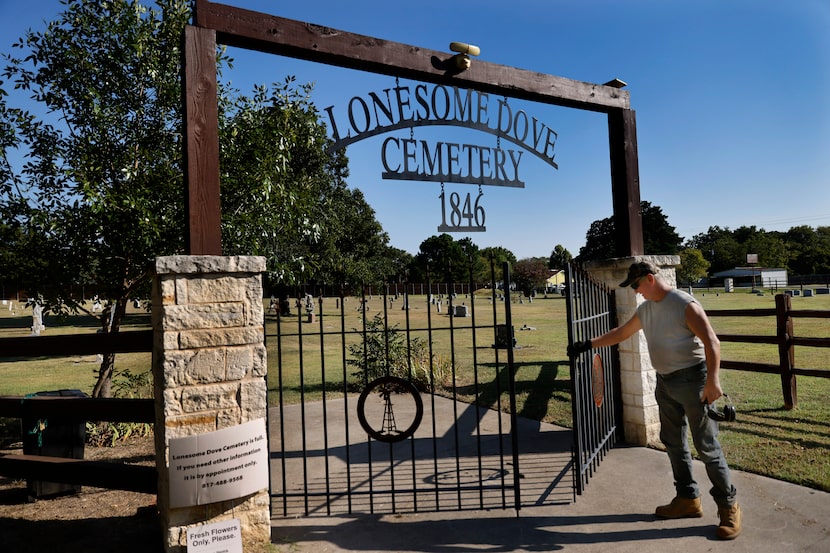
(616, 83)
(462, 58)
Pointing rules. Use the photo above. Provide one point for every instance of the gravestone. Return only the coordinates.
(37, 319)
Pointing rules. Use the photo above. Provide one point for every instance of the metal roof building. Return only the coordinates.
(762, 276)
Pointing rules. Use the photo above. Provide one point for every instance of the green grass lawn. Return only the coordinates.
(766, 439)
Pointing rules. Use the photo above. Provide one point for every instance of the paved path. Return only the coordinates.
(613, 515)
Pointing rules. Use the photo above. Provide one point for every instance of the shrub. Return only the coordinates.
(409, 360)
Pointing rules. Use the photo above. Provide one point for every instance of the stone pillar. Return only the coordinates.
(209, 371)
(641, 420)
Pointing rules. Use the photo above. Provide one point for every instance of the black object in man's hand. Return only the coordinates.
(578, 347)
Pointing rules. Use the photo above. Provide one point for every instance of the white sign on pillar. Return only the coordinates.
(218, 466)
(220, 537)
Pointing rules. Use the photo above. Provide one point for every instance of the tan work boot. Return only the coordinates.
(730, 522)
(680, 507)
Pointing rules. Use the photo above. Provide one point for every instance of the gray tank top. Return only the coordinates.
(671, 344)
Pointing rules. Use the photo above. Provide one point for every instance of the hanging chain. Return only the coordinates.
(498, 136)
(411, 127)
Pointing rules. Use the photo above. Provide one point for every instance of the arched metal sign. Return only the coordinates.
(217, 23)
(409, 158)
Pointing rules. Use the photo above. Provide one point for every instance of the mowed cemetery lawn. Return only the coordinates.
(791, 445)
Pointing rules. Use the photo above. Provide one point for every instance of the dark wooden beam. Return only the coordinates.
(296, 39)
(79, 409)
(201, 112)
(99, 474)
(77, 344)
(625, 183)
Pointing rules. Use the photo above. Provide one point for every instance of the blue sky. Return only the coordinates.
(733, 119)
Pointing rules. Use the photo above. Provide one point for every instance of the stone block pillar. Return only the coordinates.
(641, 420)
(209, 371)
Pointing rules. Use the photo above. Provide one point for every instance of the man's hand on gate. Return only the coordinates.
(578, 347)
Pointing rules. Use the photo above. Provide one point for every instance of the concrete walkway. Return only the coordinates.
(614, 515)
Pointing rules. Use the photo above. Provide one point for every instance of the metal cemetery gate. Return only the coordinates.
(594, 374)
(392, 399)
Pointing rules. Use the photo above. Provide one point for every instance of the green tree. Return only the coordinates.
(726, 249)
(599, 243)
(475, 264)
(497, 255)
(101, 182)
(719, 248)
(290, 203)
(530, 274)
(441, 258)
(399, 262)
(770, 247)
(693, 266)
(659, 237)
(559, 258)
(809, 249)
(100, 193)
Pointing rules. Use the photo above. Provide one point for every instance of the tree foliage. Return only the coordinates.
(659, 237)
(530, 274)
(559, 258)
(442, 258)
(284, 197)
(99, 194)
(497, 256)
(801, 250)
(692, 267)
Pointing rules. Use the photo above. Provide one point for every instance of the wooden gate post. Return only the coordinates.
(625, 182)
(201, 140)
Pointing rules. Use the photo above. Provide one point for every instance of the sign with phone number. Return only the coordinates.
(218, 466)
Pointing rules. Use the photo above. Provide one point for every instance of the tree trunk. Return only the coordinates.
(111, 323)
(103, 387)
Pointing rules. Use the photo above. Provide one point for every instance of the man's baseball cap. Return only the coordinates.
(639, 270)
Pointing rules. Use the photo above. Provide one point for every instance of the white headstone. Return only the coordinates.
(37, 319)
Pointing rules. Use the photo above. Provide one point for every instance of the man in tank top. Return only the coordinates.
(685, 353)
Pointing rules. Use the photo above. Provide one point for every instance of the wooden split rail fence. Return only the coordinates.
(100, 474)
(785, 340)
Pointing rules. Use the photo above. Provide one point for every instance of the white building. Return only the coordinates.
(755, 276)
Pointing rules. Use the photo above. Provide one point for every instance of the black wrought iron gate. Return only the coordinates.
(392, 399)
(595, 392)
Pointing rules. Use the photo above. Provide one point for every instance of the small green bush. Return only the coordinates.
(125, 384)
(386, 352)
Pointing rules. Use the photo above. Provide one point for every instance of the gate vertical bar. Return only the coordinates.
(412, 455)
(345, 398)
(450, 313)
(325, 410)
(475, 384)
(363, 308)
(301, 360)
(389, 372)
(511, 383)
(494, 298)
(282, 414)
(432, 386)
